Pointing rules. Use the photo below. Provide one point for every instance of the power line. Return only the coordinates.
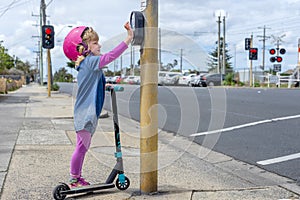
(13, 4)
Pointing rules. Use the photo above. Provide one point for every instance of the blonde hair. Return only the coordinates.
(87, 36)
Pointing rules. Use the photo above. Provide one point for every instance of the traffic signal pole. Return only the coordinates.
(43, 22)
(148, 102)
(49, 72)
(250, 71)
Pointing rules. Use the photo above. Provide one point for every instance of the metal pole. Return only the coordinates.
(219, 38)
(148, 102)
(42, 22)
(181, 52)
(250, 71)
(49, 72)
(264, 47)
(224, 49)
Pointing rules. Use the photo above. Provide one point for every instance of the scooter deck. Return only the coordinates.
(89, 188)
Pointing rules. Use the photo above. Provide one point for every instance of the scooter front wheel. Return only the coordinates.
(56, 192)
(124, 185)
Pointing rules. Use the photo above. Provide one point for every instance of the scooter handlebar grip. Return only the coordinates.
(118, 88)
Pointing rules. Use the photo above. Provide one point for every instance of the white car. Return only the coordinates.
(132, 80)
(186, 80)
(168, 78)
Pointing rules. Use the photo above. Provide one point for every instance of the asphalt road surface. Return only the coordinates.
(257, 126)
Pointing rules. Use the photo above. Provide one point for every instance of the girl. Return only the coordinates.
(81, 45)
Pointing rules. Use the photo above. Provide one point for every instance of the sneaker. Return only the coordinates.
(78, 182)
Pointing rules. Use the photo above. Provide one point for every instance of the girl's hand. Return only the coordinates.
(127, 26)
(129, 33)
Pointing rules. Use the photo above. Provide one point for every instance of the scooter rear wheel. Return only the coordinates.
(124, 185)
(56, 192)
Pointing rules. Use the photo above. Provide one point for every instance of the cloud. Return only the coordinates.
(184, 17)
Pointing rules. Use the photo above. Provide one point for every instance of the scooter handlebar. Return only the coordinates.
(116, 88)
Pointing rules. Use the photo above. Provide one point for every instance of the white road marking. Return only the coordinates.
(245, 125)
(279, 159)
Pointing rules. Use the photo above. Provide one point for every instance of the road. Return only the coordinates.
(257, 126)
(12, 114)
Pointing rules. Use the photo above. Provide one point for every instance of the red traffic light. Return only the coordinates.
(48, 31)
(253, 53)
(47, 36)
(272, 51)
(278, 58)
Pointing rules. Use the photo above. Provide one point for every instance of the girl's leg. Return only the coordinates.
(82, 146)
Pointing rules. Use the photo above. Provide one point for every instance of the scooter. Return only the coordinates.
(122, 182)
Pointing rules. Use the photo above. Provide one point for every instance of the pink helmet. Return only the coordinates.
(71, 41)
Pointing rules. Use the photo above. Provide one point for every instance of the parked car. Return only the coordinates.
(112, 80)
(212, 79)
(186, 80)
(168, 78)
(119, 80)
(132, 80)
(195, 82)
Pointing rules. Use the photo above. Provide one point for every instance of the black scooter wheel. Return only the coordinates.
(58, 189)
(123, 186)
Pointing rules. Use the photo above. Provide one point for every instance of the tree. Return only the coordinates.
(169, 66)
(62, 75)
(213, 59)
(6, 61)
(71, 64)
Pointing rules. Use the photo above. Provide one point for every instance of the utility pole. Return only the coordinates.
(42, 22)
(148, 101)
(224, 48)
(38, 52)
(219, 47)
(264, 38)
(181, 54)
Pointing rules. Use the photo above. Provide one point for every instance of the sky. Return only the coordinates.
(189, 28)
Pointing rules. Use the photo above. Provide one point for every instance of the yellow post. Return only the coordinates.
(49, 72)
(148, 101)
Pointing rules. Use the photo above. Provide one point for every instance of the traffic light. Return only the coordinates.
(272, 51)
(276, 58)
(247, 43)
(47, 36)
(282, 51)
(273, 59)
(253, 53)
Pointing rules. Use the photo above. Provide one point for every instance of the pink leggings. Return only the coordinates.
(82, 146)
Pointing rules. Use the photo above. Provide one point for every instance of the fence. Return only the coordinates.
(267, 78)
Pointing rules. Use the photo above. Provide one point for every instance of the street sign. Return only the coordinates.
(277, 67)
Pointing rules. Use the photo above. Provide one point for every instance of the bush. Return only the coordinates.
(55, 87)
(241, 84)
(256, 84)
(229, 79)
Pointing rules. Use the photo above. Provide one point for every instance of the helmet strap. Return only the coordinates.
(86, 49)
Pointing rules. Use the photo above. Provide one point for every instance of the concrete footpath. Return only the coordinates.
(187, 171)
